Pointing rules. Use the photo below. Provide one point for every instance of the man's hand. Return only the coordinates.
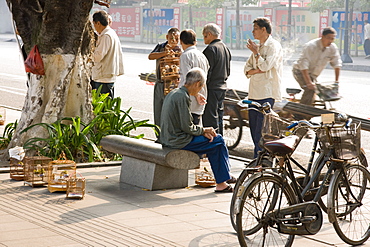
(311, 86)
(201, 99)
(209, 132)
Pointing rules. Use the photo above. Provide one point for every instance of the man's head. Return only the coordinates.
(100, 20)
(261, 28)
(173, 36)
(188, 38)
(211, 31)
(328, 36)
(195, 80)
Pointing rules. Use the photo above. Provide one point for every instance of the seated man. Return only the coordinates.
(178, 130)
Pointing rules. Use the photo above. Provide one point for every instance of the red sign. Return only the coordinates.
(176, 17)
(220, 17)
(324, 20)
(126, 21)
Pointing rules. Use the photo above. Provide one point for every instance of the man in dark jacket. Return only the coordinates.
(219, 58)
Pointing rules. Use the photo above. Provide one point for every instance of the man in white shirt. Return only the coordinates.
(264, 68)
(108, 58)
(316, 54)
(367, 39)
(191, 58)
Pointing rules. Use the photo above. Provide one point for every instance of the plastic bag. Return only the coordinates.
(34, 62)
(17, 153)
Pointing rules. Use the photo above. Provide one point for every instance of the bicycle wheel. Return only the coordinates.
(233, 126)
(349, 204)
(265, 162)
(324, 199)
(264, 193)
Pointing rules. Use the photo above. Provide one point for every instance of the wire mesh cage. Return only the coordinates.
(16, 169)
(35, 170)
(76, 187)
(345, 141)
(274, 128)
(58, 173)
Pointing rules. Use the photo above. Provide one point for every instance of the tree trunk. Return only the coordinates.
(63, 33)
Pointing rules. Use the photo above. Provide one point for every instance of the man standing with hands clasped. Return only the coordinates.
(264, 68)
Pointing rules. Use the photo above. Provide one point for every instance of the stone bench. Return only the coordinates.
(148, 165)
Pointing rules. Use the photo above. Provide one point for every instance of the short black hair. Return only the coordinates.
(173, 30)
(188, 37)
(264, 22)
(328, 30)
(102, 17)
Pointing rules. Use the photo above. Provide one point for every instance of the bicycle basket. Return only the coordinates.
(273, 128)
(328, 91)
(346, 142)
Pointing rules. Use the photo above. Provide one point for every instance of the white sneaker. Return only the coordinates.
(367, 57)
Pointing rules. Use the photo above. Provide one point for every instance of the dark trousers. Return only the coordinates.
(158, 99)
(367, 47)
(217, 153)
(214, 110)
(196, 118)
(105, 87)
(255, 119)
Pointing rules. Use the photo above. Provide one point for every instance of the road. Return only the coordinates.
(354, 88)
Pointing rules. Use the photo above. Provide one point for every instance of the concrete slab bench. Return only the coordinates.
(148, 165)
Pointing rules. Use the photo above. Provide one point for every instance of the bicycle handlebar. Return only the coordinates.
(347, 124)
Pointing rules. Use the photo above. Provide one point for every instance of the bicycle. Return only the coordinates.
(273, 128)
(271, 206)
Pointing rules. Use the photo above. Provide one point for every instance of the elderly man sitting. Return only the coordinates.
(178, 130)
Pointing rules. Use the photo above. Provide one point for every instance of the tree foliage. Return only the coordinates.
(320, 5)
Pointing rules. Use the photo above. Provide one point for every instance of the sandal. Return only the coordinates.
(228, 189)
(232, 180)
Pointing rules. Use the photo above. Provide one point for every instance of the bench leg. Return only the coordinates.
(151, 176)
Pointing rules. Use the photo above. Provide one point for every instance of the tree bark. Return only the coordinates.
(64, 35)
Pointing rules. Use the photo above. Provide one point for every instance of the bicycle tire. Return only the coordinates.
(240, 181)
(232, 126)
(323, 199)
(264, 192)
(351, 219)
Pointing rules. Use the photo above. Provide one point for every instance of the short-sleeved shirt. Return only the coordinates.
(159, 48)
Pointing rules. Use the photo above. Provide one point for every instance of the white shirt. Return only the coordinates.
(367, 31)
(266, 85)
(315, 57)
(189, 59)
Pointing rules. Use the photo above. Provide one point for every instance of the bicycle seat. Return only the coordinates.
(282, 147)
(293, 90)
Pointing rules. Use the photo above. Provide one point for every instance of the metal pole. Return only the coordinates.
(346, 57)
(290, 20)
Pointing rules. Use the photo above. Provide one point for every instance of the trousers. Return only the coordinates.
(217, 153)
(255, 119)
(105, 87)
(214, 110)
(158, 99)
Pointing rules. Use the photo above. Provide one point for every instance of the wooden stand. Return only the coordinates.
(35, 170)
(16, 169)
(170, 69)
(59, 171)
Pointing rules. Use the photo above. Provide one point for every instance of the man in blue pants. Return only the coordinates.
(178, 130)
(265, 69)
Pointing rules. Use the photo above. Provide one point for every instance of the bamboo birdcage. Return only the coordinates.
(76, 187)
(58, 173)
(35, 170)
(16, 169)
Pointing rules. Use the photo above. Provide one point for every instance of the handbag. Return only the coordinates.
(34, 62)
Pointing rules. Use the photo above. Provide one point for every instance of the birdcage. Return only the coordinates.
(58, 173)
(16, 169)
(76, 187)
(35, 170)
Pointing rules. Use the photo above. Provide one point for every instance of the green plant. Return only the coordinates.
(80, 141)
(8, 134)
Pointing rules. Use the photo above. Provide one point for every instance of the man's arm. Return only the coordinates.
(307, 79)
(101, 50)
(156, 55)
(337, 72)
